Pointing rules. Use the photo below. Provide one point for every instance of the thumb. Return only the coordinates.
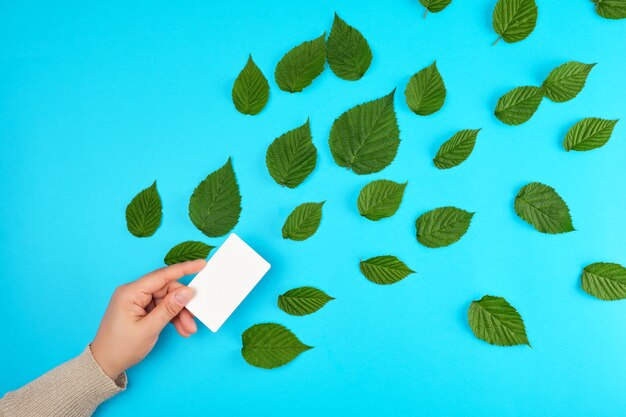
(167, 309)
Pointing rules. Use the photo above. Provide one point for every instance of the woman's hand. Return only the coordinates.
(138, 312)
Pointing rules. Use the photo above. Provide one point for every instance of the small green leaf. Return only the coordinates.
(303, 221)
(301, 65)
(456, 149)
(434, 6)
(425, 93)
(497, 322)
(187, 251)
(250, 90)
(588, 134)
(611, 9)
(380, 199)
(518, 105)
(606, 281)
(144, 213)
(566, 81)
(542, 207)
(270, 345)
(303, 301)
(514, 20)
(365, 139)
(215, 205)
(442, 226)
(385, 270)
(292, 156)
(349, 55)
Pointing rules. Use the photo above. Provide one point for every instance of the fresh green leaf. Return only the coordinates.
(566, 81)
(425, 93)
(514, 20)
(365, 139)
(270, 345)
(606, 281)
(292, 156)
(588, 134)
(518, 105)
(349, 55)
(385, 270)
(497, 322)
(303, 301)
(611, 9)
(442, 226)
(215, 205)
(380, 199)
(456, 149)
(251, 90)
(434, 6)
(187, 251)
(542, 207)
(303, 221)
(300, 66)
(144, 213)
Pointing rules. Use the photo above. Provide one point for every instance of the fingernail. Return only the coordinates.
(183, 296)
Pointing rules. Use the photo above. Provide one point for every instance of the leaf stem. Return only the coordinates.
(497, 40)
(425, 13)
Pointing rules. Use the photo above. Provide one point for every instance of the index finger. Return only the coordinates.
(158, 279)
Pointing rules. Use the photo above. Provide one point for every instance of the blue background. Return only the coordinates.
(99, 99)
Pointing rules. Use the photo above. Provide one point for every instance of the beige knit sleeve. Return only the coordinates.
(73, 389)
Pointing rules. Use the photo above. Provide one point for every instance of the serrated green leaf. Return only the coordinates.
(303, 301)
(270, 345)
(380, 199)
(385, 270)
(144, 212)
(442, 226)
(303, 221)
(588, 134)
(606, 281)
(250, 90)
(497, 322)
(434, 6)
(456, 149)
(542, 207)
(425, 92)
(518, 105)
(349, 55)
(566, 81)
(365, 139)
(187, 251)
(215, 205)
(292, 156)
(514, 20)
(611, 9)
(301, 65)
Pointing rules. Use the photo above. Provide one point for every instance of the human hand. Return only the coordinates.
(138, 312)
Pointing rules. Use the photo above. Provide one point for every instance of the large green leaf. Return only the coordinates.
(303, 301)
(497, 322)
(514, 20)
(456, 149)
(442, 226)
(144, 212)
(518, 105)
(365, 139)
(385, 270)
(566, 81)
(434, 6)
(251, 90)
(543, 208)
(588, 134)
(606, 281)
(300, 66)
(425, 93)
(270, 345)
(380, 199)
(292, 156)
(303, 221)
(349, 55)
(187, 251)
(215, 205)
(611, 9)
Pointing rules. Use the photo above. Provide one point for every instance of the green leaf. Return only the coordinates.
(292, 156)
(542, 207)
(425, 93)
(434, 6)
(303, 221)
(611, 9)
(566, 81)
(365, 139)
(497, 322)
(187, 251)
(215, 205)
(442, 226)
(380, 199)
(144, 213)
(588, 134)
(456, 149)
(606, 281)
(514, 20)
(349, 55)
(251, 90)
(518, 105)
(303, 301)
(300, 66)
(385, 270)
(270, 345)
